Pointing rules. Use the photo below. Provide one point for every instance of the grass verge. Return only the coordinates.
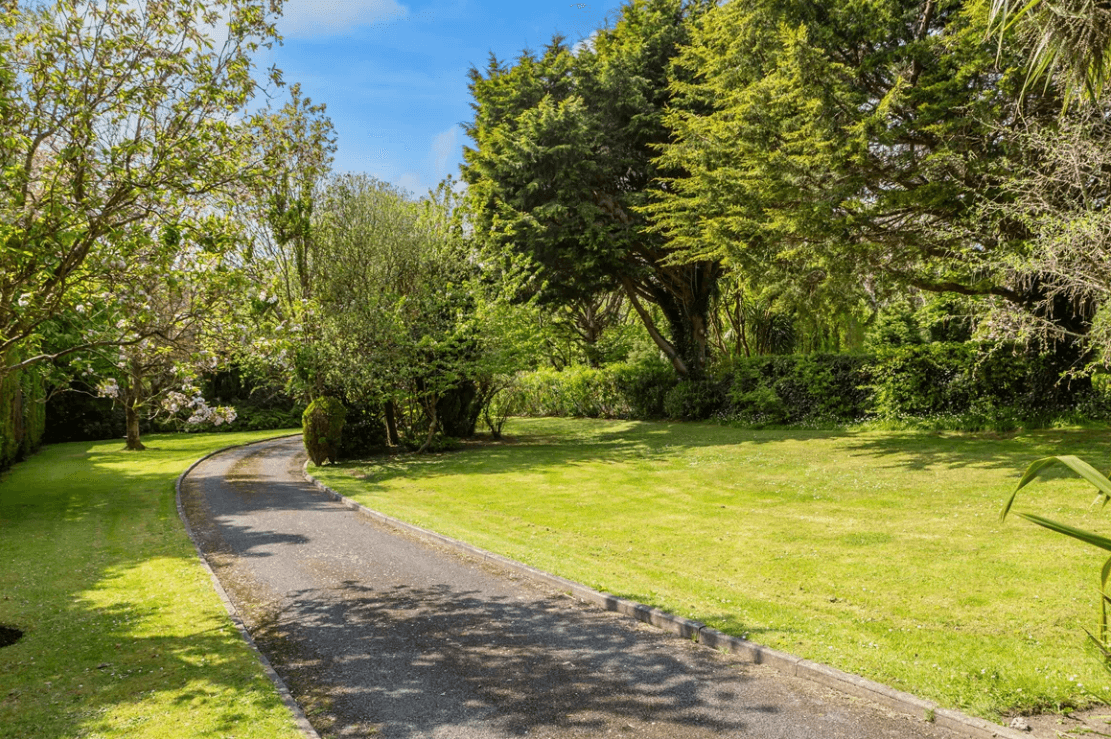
(877, 552)
(123, 633)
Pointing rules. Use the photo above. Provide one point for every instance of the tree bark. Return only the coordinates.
(390, 412)
(133, 404)
(431, 430)
(664, 345)
(133, 442)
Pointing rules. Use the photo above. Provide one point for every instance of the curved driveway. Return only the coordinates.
(380, 635)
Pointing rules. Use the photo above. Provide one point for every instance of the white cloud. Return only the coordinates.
(586, 44)
(444, 147)
(304, 18)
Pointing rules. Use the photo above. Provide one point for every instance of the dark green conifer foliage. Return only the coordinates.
(563, 154)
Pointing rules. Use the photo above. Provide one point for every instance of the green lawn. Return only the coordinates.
(124, 635)
(878, 552)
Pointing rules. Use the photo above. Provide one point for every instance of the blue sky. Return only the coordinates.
(393, 74)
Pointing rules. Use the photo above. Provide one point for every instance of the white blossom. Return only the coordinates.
(108, 388)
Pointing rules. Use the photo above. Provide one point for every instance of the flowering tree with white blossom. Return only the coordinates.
(117, 117)
(178, 320)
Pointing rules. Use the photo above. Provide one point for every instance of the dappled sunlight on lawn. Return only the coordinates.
(123, 634)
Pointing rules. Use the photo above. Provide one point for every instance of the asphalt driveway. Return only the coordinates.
(381, 635)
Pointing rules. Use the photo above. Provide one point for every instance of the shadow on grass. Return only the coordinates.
(1008, 452)
(368, 656)
(78, 529)
(563, 443)
(559, 443)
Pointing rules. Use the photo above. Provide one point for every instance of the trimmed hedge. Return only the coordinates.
(961, 385)
(578, 391)
(795, 389)
(625, 390)
(322, 429)
(968, 379)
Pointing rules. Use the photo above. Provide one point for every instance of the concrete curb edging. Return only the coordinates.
(830, 677)
(299, 717)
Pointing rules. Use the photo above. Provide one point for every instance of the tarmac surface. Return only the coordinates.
(380, 635)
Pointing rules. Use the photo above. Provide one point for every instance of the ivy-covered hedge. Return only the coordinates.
(22, 415)
(960, 385)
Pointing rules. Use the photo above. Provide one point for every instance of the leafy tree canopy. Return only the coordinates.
(117, 119)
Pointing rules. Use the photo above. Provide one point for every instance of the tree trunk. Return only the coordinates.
(133, 442)
(431, 430)
(133, 404)
(684, 295)
(390, 412)
(664, 345)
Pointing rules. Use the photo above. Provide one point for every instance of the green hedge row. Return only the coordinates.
(22, 415)
(615, 391)
(962, 385)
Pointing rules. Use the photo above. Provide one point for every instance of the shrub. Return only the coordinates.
(575, 391)
(249, 418)
(958, 386)
(22, 414)
(364, 432)
(625, 390)
(322, 429)
(504, 399)
(799, 389)
(983, 386)
(644, 386)
(76, 414)
(693, 400)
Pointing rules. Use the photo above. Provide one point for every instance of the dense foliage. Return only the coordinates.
(946, 385)
(322, 426)
(22, 414)
(703, 210)
(564, 155)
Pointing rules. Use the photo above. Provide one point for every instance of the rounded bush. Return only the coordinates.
(322, 429)
(364, 432)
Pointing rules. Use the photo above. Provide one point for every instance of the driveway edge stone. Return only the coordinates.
(299, 717)
(748, 651)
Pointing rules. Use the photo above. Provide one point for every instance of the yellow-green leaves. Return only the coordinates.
(1077, 465)
(1103, 488)
(115, 117)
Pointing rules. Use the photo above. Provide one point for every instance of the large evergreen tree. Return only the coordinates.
(855, 143)
(563, 157)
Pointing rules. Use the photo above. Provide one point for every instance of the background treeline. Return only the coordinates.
(875, 189)
(776, 211)
(939, 386)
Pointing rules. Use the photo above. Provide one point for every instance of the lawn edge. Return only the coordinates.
(299, 717)
(830, 677)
